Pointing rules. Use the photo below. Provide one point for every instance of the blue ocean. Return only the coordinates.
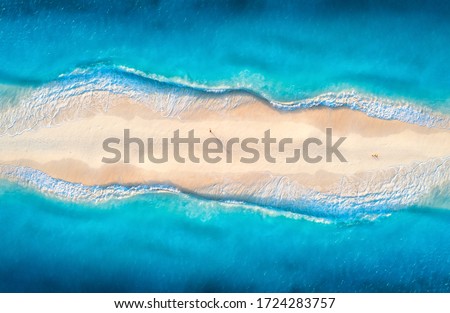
(286, 52)
(178, 243)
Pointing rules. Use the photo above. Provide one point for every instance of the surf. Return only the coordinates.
(43, 105)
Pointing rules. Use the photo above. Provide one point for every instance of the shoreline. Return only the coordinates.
(72, 151)
(122, 75)
(81, 93)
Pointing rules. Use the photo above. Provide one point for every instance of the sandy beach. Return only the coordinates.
(72, 147)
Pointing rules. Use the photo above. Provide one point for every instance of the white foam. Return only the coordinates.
(377, 191)
(75, 192)
(74, 92)
(364, 197)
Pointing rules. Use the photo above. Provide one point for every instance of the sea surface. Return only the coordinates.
(304, 53)
(174, 243)
(286, 51)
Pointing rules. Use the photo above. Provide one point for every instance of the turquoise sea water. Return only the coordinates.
(173, 242)
(285, 51)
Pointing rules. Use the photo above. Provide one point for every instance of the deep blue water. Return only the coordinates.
(174, 242)
(286, 50)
